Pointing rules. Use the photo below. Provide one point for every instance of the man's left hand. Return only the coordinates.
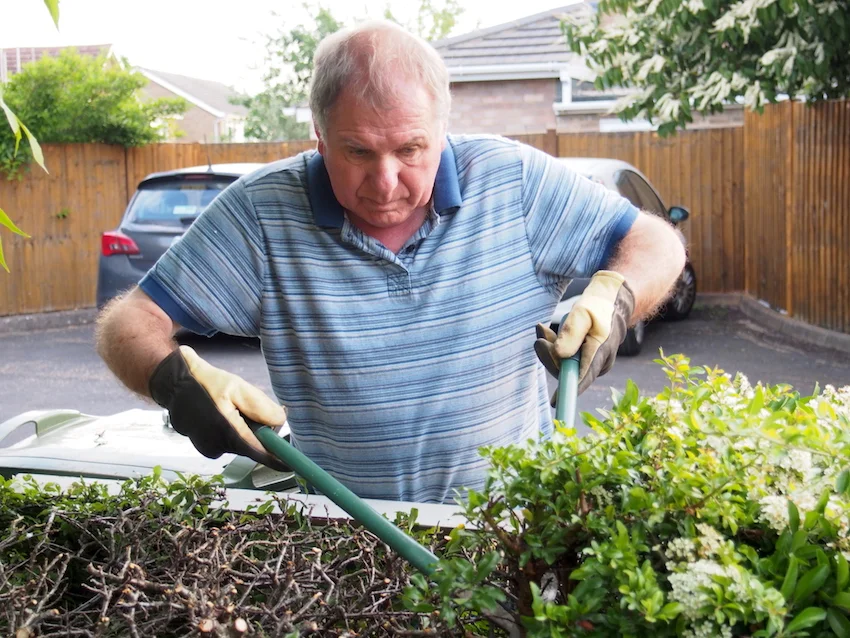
(596, 325)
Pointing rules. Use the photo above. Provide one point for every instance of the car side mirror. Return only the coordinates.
(678, 214)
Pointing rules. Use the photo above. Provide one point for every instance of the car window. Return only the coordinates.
(173, 203)
(627, 189)
(649, 201)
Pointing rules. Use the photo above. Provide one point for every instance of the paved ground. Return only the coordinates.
(59, 368)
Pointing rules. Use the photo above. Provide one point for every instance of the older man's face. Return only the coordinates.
(382, 165)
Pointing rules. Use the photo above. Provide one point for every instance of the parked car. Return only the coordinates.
(61, 447)
(162, 208)
(124, 445)
(629, 182)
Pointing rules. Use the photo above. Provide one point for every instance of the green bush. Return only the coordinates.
(713, 509)
(172, 559)
(74, 98)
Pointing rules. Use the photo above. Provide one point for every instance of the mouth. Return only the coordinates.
(383, 208)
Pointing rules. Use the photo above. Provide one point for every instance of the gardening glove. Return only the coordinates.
(207, 405)
(597, 325)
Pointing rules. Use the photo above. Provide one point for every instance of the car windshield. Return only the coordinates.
(173, 203)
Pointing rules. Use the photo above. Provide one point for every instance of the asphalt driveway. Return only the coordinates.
(59, 369)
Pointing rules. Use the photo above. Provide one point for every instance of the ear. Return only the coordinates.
(321, 143)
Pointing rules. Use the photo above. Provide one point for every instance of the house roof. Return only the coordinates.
(16, 57)
(535, 40)
(213, 97)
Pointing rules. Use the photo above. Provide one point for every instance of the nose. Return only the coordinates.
(384, 178)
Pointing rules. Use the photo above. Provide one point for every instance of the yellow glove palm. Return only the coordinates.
(596, 325)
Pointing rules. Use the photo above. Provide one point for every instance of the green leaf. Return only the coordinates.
(842, 599)
(809, 617)
(35, 147)
(790, 580)
(3, 257)
(793, 516)
(843, 482)
(842, 572)
(811, 581)
(838, 622)
(822, 501)
(53, 8)
(8, 223)
(14, 122)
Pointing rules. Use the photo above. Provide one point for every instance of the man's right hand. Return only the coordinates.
(207, 404)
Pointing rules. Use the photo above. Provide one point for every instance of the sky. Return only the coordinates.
(211, 39)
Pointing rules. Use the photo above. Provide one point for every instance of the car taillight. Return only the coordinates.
(115, 243)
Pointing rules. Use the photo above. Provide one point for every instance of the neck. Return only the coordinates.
(396, 236)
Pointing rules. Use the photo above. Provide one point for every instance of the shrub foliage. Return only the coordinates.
(162, 559)
(715, 508)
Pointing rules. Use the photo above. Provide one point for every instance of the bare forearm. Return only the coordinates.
(650, 257)
(133, 335)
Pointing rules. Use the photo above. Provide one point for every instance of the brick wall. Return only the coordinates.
(517, 107)
(503, 107)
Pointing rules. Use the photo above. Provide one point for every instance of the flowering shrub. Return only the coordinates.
(713, 509)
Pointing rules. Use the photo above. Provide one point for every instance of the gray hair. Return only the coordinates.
(365, 59)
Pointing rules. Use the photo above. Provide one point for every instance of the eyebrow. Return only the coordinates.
(414, 141)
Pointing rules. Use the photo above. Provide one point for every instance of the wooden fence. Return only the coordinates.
(702, 170)
(84, 194)
(798, 211)
(769, 202)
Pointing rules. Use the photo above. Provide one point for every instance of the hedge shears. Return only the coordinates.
(415, 553)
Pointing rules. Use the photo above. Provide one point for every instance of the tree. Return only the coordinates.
(78, 99)
(698, 56)
(430, 22)
(289, 59)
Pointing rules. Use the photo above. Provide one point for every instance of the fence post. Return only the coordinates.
(552, 142)
(790, 204)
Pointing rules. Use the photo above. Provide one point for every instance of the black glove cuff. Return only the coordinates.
(167, 377)
(625, 302)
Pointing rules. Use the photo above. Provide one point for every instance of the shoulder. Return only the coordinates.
(494, 151)
(289, 172)
(487, 158)
(494, 148)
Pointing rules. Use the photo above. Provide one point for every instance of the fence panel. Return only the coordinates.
(701, 170)
(819, 213)
(64, 212)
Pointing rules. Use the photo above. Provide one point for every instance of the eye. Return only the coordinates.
(358, 152)
(409, 151)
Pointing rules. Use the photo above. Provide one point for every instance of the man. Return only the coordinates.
(394, 278)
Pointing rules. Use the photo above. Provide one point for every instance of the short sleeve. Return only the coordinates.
(211, 280)
(573, 224)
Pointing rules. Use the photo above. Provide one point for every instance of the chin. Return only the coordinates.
(383, 219)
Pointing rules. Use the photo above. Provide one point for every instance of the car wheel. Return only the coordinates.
(633, 342)
(680, 304)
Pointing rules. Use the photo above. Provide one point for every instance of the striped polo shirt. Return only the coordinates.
(396, 368)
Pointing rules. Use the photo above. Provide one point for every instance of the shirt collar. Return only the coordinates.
(327, 211)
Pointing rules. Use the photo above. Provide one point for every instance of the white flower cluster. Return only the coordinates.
(691, 586)
(707, 629)
(743, 16)
(839, 400)
(602, 496)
